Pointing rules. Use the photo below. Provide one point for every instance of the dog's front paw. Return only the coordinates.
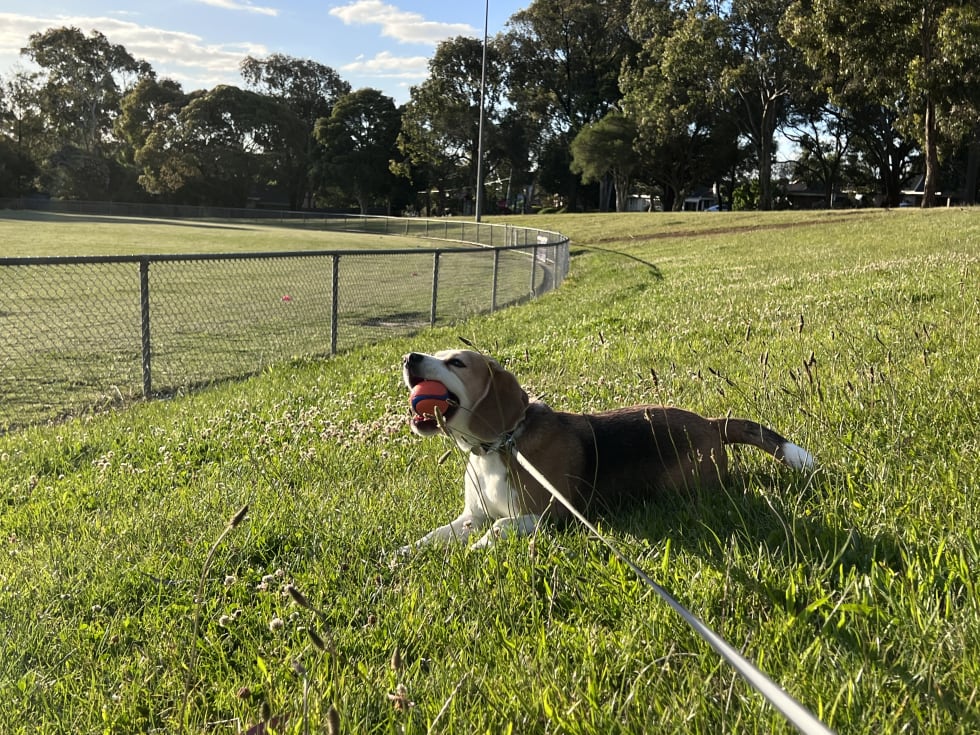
(488, 539)
(396, 556)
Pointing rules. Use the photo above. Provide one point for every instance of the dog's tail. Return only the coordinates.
(743, 431)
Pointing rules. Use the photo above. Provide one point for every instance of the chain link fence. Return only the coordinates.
(88, 333)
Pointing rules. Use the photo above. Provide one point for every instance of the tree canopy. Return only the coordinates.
(579, 98)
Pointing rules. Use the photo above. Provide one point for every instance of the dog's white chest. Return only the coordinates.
(490, 491)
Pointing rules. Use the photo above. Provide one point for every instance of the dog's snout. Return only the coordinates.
(413, 358)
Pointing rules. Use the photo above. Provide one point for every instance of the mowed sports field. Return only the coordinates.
(30, 233)
(70, 334)
(131, 604)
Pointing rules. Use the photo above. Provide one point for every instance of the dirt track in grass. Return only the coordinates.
(731, 230)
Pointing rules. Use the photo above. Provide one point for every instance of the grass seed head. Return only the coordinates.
(333, 721)
(298, 597)
(238, 517)
(316, 640)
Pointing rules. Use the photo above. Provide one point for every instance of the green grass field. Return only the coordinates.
(30, 233)
(130, 605)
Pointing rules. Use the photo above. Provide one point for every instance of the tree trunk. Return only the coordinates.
(622, 183)
(766, 132)
(972, 168)
(891, 176)
(932, 156)
(606, 190)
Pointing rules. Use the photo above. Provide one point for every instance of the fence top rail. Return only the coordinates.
(246, 255)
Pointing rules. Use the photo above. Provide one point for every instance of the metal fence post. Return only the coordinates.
(534, 267)
(334, 303)
(493, 285)
(145, 325)
(435, 288)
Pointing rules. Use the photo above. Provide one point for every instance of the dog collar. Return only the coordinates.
(504, 442)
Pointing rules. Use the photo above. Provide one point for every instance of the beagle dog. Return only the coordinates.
(597, 461)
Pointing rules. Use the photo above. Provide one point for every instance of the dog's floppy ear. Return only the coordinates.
(502, 406)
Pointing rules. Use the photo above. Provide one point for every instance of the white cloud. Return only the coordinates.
(386, 64)
(171, 53)
(402, 25)
(236, 5)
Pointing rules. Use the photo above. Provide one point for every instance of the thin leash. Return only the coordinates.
(798, 715)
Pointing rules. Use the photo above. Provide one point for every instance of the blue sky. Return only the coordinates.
(384, 44)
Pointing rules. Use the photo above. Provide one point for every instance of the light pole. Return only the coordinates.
(479, 143)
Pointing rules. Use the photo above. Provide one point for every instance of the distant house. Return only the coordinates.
(644, 203)
(700, 203)
(801, 195)
(914, 191)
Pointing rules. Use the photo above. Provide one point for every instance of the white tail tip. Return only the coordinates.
(797, 457)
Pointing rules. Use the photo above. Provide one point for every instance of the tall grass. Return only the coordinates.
(856, 335)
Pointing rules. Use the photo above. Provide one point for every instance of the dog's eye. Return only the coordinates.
(455, 362)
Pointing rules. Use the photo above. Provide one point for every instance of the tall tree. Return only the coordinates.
(215, 151)
(919, 57)
(309, 90)
(150, 104)
(564, 59)
(604, 150)
(883, 150)
(820, 131)
(359, 139)
(21, 133)
(81, 81)
(17, 168)
(440, 123)
(674, 91)
(767, 74)
(511, 144)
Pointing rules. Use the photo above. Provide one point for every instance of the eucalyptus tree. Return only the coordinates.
(17, 168)
(79, 87)
(309, 90)
(510, 147)
(768, 75)
(675, 91)
(81, 81)
(822, 133)
(439, 139)
(917, 59)
(151, 103)
(216, 150)
(21, 133)
(359, 139)
(564, 58)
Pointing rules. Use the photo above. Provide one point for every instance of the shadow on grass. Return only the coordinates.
(655, 271)
(836, 579)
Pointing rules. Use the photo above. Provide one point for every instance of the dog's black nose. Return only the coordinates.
(413, 358)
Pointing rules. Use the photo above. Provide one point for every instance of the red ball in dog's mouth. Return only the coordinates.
(428, 396)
